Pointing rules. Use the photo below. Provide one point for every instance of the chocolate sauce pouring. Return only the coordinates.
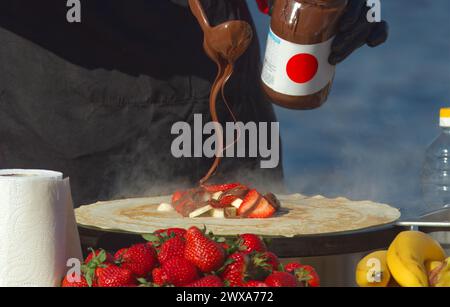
(224, 44)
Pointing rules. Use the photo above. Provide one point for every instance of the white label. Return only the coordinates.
(444, 122)
(294, 69)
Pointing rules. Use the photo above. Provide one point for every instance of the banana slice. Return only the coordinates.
(164, 207)
(201, 211)
(216, 196)
(218, 213)
(237, 203)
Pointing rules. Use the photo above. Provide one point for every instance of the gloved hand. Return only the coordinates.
(355, 31)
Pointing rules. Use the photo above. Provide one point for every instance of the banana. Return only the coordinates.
(407, 255)
(440, 275)
(372, 270)
(430, 266)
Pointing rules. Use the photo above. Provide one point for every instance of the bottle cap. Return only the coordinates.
(445, 118)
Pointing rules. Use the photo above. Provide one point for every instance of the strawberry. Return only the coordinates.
(272, 260)
(210, 281)
(107, 258)
(305, 274)
(160, 277)
(96, 259)
(267, 260)
(255, 284)
(223, 202)
(157, 238)
(251, 243)
(281, 279)
(111, 275)
(262, 210)
(249, 203)
(74, 284)
(172, 248)
(229, 247)
(155, 245)
(179, 271)
(227, 200)
(220, 187)
(240, 267)
(292, 266)
(154, 241)
(273, 200)
(177, 196)
(184, 206)
(140, 259)
(235, 271)
(202, 251)
(225, 245)
(170, 232)
(119, 253)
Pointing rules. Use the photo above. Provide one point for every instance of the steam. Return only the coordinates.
(151, 170)
(145, 171)
(343, 149)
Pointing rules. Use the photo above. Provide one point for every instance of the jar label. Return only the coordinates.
(294, 69)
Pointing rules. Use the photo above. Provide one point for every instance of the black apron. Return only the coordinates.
(97, 100)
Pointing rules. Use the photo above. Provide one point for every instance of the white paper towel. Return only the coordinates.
(38, 232)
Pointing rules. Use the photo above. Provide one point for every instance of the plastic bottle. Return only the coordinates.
(436, 168)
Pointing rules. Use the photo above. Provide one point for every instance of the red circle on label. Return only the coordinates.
(302, 67)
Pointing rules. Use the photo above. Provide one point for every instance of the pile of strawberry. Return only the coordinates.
(193, 258)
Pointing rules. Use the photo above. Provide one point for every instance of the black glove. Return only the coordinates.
(355, 31)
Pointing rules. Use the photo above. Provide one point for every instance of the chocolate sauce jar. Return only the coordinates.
(296, 73)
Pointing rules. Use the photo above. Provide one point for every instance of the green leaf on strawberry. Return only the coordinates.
(150, 237)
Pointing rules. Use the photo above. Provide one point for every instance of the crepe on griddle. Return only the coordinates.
(300, 215)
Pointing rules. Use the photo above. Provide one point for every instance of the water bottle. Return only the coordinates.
(436, 169)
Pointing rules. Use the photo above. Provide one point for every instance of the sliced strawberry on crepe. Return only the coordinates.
(181, 205)
(273, 200)
(255, 206)
(217, 204)
(220, 187)
(177, 195)
(227, 200)
(262, 210)
(249, 203)
(223, 202)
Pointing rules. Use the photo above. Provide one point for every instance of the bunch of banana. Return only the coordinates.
(413, 259)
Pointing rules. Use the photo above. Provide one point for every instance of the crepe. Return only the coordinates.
(300, 215)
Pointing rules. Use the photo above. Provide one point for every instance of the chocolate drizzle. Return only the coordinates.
(223, 44)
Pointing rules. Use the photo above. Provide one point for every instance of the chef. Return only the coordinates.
(97, 99)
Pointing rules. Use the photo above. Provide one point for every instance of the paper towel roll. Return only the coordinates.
(38, 232)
